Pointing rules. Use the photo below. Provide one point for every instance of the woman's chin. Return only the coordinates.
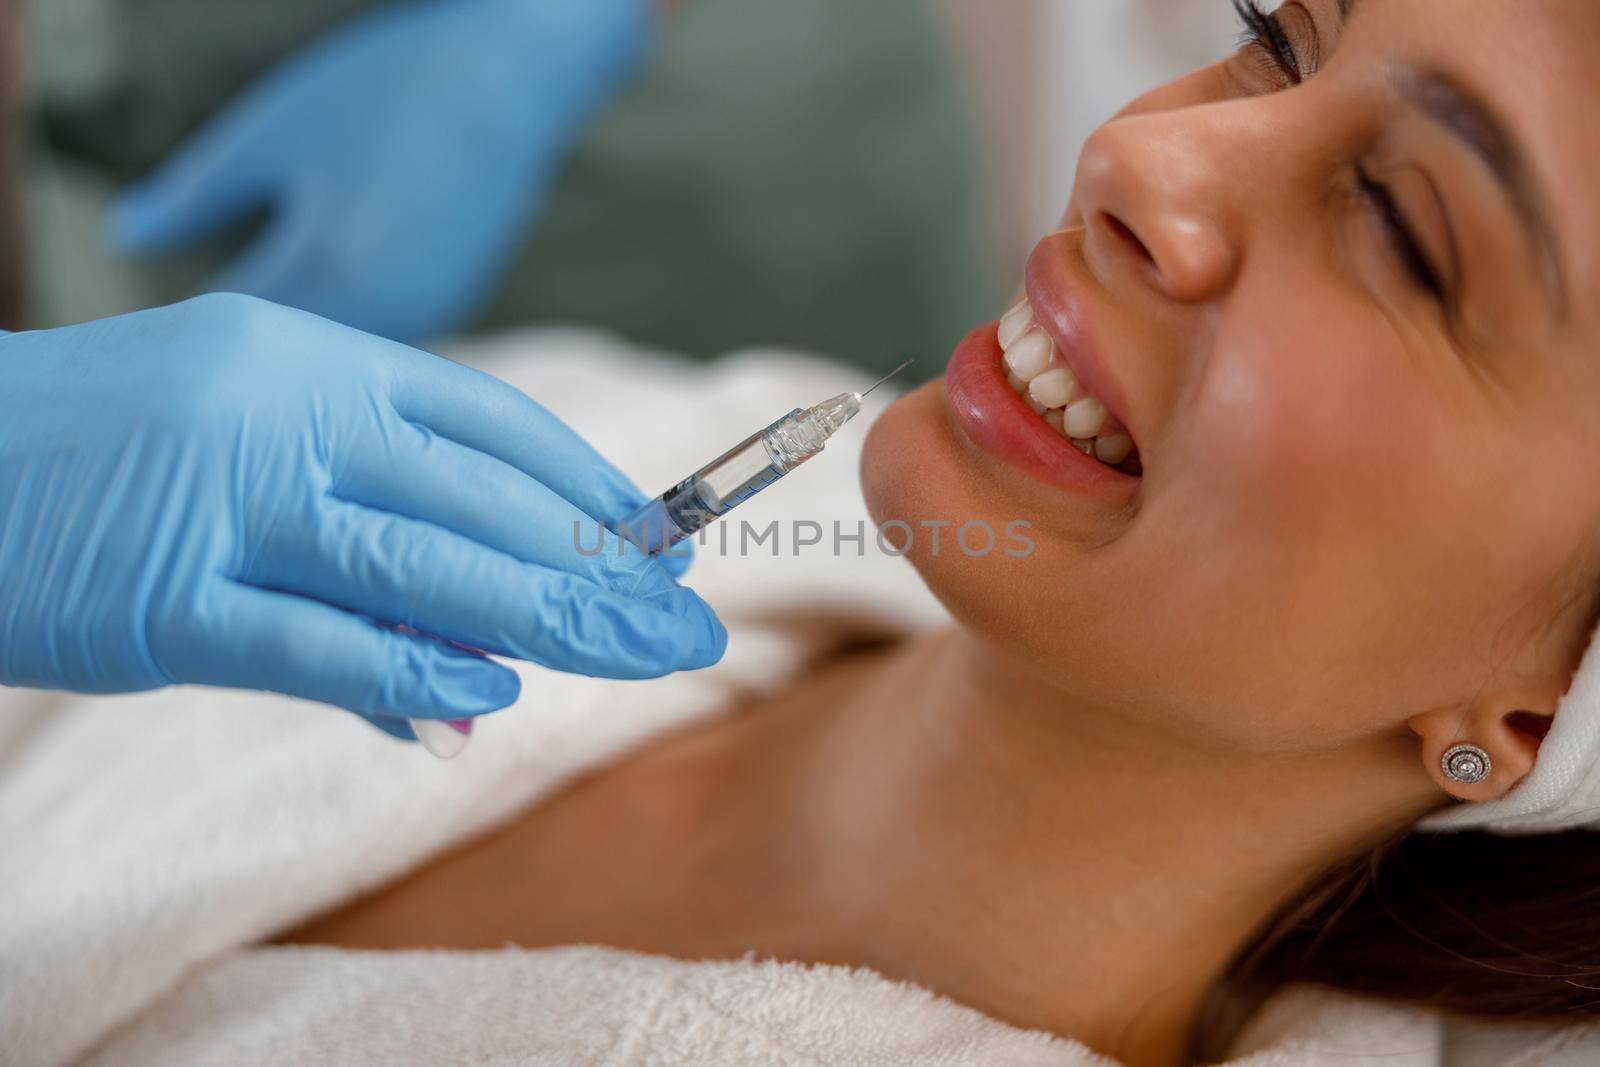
(921, 490)
(901, 471)
(1037, 592)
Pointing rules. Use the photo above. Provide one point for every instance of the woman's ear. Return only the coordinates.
(1508, 732)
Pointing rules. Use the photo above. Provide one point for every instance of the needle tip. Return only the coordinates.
(891, 374)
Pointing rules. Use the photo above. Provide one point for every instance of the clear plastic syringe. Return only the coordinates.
(741, 472)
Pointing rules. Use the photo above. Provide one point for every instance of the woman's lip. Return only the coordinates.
(996, 419)
(1058, 312)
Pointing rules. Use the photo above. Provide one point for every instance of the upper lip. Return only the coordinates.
(1061, 310)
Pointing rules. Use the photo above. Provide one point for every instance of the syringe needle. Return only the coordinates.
(891, 374)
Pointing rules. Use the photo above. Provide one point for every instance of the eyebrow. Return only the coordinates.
(1466, 116)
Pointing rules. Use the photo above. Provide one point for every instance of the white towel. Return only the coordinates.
(149, 840)
(598, 1007)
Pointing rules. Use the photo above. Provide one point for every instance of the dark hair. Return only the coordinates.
(1472, 924)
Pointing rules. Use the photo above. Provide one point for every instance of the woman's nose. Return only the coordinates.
(1154, 202)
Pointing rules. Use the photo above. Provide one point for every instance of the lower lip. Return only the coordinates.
(1000, 422)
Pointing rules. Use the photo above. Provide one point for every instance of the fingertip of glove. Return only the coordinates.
(467, 685)
(711, 641)
(501, 687)
(705, 636)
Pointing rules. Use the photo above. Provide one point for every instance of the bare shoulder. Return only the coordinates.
(628, 855)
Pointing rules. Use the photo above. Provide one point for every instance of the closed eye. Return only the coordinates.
(1266, 35)
(1402, 238)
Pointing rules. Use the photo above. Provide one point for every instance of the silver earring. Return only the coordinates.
(1467, 764)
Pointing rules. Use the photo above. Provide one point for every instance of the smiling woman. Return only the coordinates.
(1303, 419)
(1299, 408)
(1326, 286)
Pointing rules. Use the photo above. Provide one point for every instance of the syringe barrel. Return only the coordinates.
(721, 485)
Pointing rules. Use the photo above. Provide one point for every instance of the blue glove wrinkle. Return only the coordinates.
(419, 575)
(606, 635)
(464, 679)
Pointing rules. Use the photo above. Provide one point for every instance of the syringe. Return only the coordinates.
(741, 472)
(699, 500)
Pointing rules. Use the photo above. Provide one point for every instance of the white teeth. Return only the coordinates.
(1053, 388)
(1086, 417)
(1015, 324)
(1049, 391)
(1113, 449)
(1029, 356)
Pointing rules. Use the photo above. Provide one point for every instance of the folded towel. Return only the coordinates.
(150, 840)
(598, 1007)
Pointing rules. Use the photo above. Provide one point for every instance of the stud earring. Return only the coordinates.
(1467, 764)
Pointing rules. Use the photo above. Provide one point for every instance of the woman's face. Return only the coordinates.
(1341, 288)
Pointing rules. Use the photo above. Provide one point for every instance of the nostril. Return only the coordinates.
(1122, 233)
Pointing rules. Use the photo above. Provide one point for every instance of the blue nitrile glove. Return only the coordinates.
(401, 158)
(227, 492)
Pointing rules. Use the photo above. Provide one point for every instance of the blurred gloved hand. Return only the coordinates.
(227, 492)
(401, 158)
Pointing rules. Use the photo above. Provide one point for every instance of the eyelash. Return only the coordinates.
(1265, 33)
(1401, 236)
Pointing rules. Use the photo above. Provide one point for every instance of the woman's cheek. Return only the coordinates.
(1291, 478)
(1330, 429)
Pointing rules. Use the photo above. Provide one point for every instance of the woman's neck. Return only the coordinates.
(970, 830)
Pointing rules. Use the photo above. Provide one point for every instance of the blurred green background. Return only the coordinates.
(789, 173)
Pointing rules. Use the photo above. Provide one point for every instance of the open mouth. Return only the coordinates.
(1038, 374)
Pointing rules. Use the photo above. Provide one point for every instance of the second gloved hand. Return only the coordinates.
(231, 493)
(400, 159)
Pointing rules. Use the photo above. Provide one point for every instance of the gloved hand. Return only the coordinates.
(227, 492)
(402, 158)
